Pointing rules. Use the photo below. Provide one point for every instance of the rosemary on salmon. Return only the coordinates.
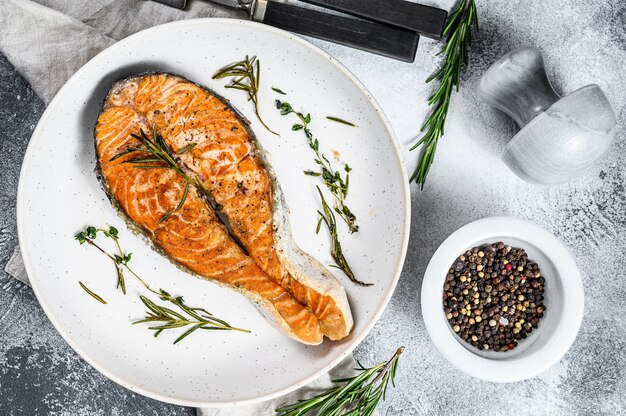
(191, 317)
(247, 77)
(156, 154)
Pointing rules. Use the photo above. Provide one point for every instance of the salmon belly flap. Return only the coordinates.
(216, 147)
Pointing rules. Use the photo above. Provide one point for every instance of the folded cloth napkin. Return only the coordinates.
(48, 40)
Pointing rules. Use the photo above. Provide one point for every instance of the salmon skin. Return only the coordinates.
(256, 253)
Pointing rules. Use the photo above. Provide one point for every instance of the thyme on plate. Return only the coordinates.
(328, 217)
(458, 31)
(89, 234)
(192, 317)
(336, 184)
(340, 120)
(156, 154)
(332, 179)
(247, 76)
(356, 396)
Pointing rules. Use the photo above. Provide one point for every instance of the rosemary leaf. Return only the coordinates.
(248, 70)
(179, 206)
(125, 152)
(339, 120)
(186, 148)
(458, 32)
(187, 332)
(92, 294)
(279, 91)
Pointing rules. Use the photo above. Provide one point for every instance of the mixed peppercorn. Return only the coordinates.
(493, 296)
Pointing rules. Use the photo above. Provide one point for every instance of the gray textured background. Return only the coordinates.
(584, 41)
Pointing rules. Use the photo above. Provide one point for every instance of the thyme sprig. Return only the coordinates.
(156, 154)
(197, 318)
(357, 396)
(458, 32)
(328, 217)
(121, 260)
(331, 178)
(247, 77)
(89, 234)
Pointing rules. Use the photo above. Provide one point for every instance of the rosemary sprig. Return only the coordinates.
(357, 396)
(328, 218)
(198, 318)
(156, 154)
(332, 179)
(458, 31)
(247, 74)
(340, 120)
(92, 294)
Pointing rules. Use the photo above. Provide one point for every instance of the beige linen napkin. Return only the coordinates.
(48, 40)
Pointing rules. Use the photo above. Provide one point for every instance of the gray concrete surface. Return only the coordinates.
(583, 42)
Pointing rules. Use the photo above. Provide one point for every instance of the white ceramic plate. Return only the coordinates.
(59, 194)
(564, 301)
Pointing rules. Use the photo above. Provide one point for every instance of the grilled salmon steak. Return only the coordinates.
(254, 252)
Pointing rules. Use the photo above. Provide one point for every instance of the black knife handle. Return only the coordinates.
(369, 36)
(426, 20)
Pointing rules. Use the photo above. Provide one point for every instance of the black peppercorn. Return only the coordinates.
(493, 296)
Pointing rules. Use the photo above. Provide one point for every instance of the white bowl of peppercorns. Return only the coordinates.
(502, 299)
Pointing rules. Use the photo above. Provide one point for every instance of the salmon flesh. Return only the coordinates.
(248, 246)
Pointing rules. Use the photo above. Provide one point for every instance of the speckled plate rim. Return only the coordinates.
(518, 368)
(21, 213)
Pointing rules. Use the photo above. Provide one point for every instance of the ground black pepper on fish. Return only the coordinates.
(493, 296)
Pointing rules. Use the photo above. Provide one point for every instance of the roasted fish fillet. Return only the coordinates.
(256, 253)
